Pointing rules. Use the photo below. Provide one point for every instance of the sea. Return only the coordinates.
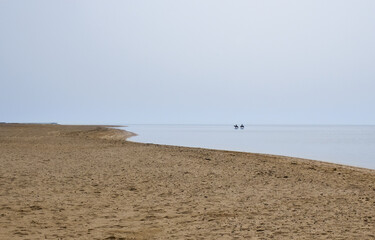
(348, 145)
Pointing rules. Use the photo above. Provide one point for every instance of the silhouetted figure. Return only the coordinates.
(242, 126)
(235, 126)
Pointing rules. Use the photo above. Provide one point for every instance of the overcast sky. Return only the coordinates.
(210, 61)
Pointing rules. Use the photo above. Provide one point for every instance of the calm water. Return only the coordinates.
(349, 145)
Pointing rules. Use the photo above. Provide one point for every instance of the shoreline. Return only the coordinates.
(240, 151)
(88, 182)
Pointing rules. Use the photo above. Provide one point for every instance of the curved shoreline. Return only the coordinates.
(251, 152)
(86, 182)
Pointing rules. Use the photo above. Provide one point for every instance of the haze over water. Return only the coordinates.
(348, 145)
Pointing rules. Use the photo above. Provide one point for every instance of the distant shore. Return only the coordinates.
(88, 182)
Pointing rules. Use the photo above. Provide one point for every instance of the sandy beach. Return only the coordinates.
(88, 182)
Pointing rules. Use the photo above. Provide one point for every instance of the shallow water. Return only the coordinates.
(349, 145)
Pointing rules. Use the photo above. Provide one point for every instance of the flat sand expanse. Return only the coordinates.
(86, 182)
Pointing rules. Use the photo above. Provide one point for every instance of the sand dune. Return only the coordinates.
(87, 182)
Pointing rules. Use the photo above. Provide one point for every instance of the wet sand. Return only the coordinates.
(87, 182)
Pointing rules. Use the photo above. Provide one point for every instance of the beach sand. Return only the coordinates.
(87, 182)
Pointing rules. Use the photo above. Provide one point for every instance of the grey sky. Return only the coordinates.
(261, 62)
